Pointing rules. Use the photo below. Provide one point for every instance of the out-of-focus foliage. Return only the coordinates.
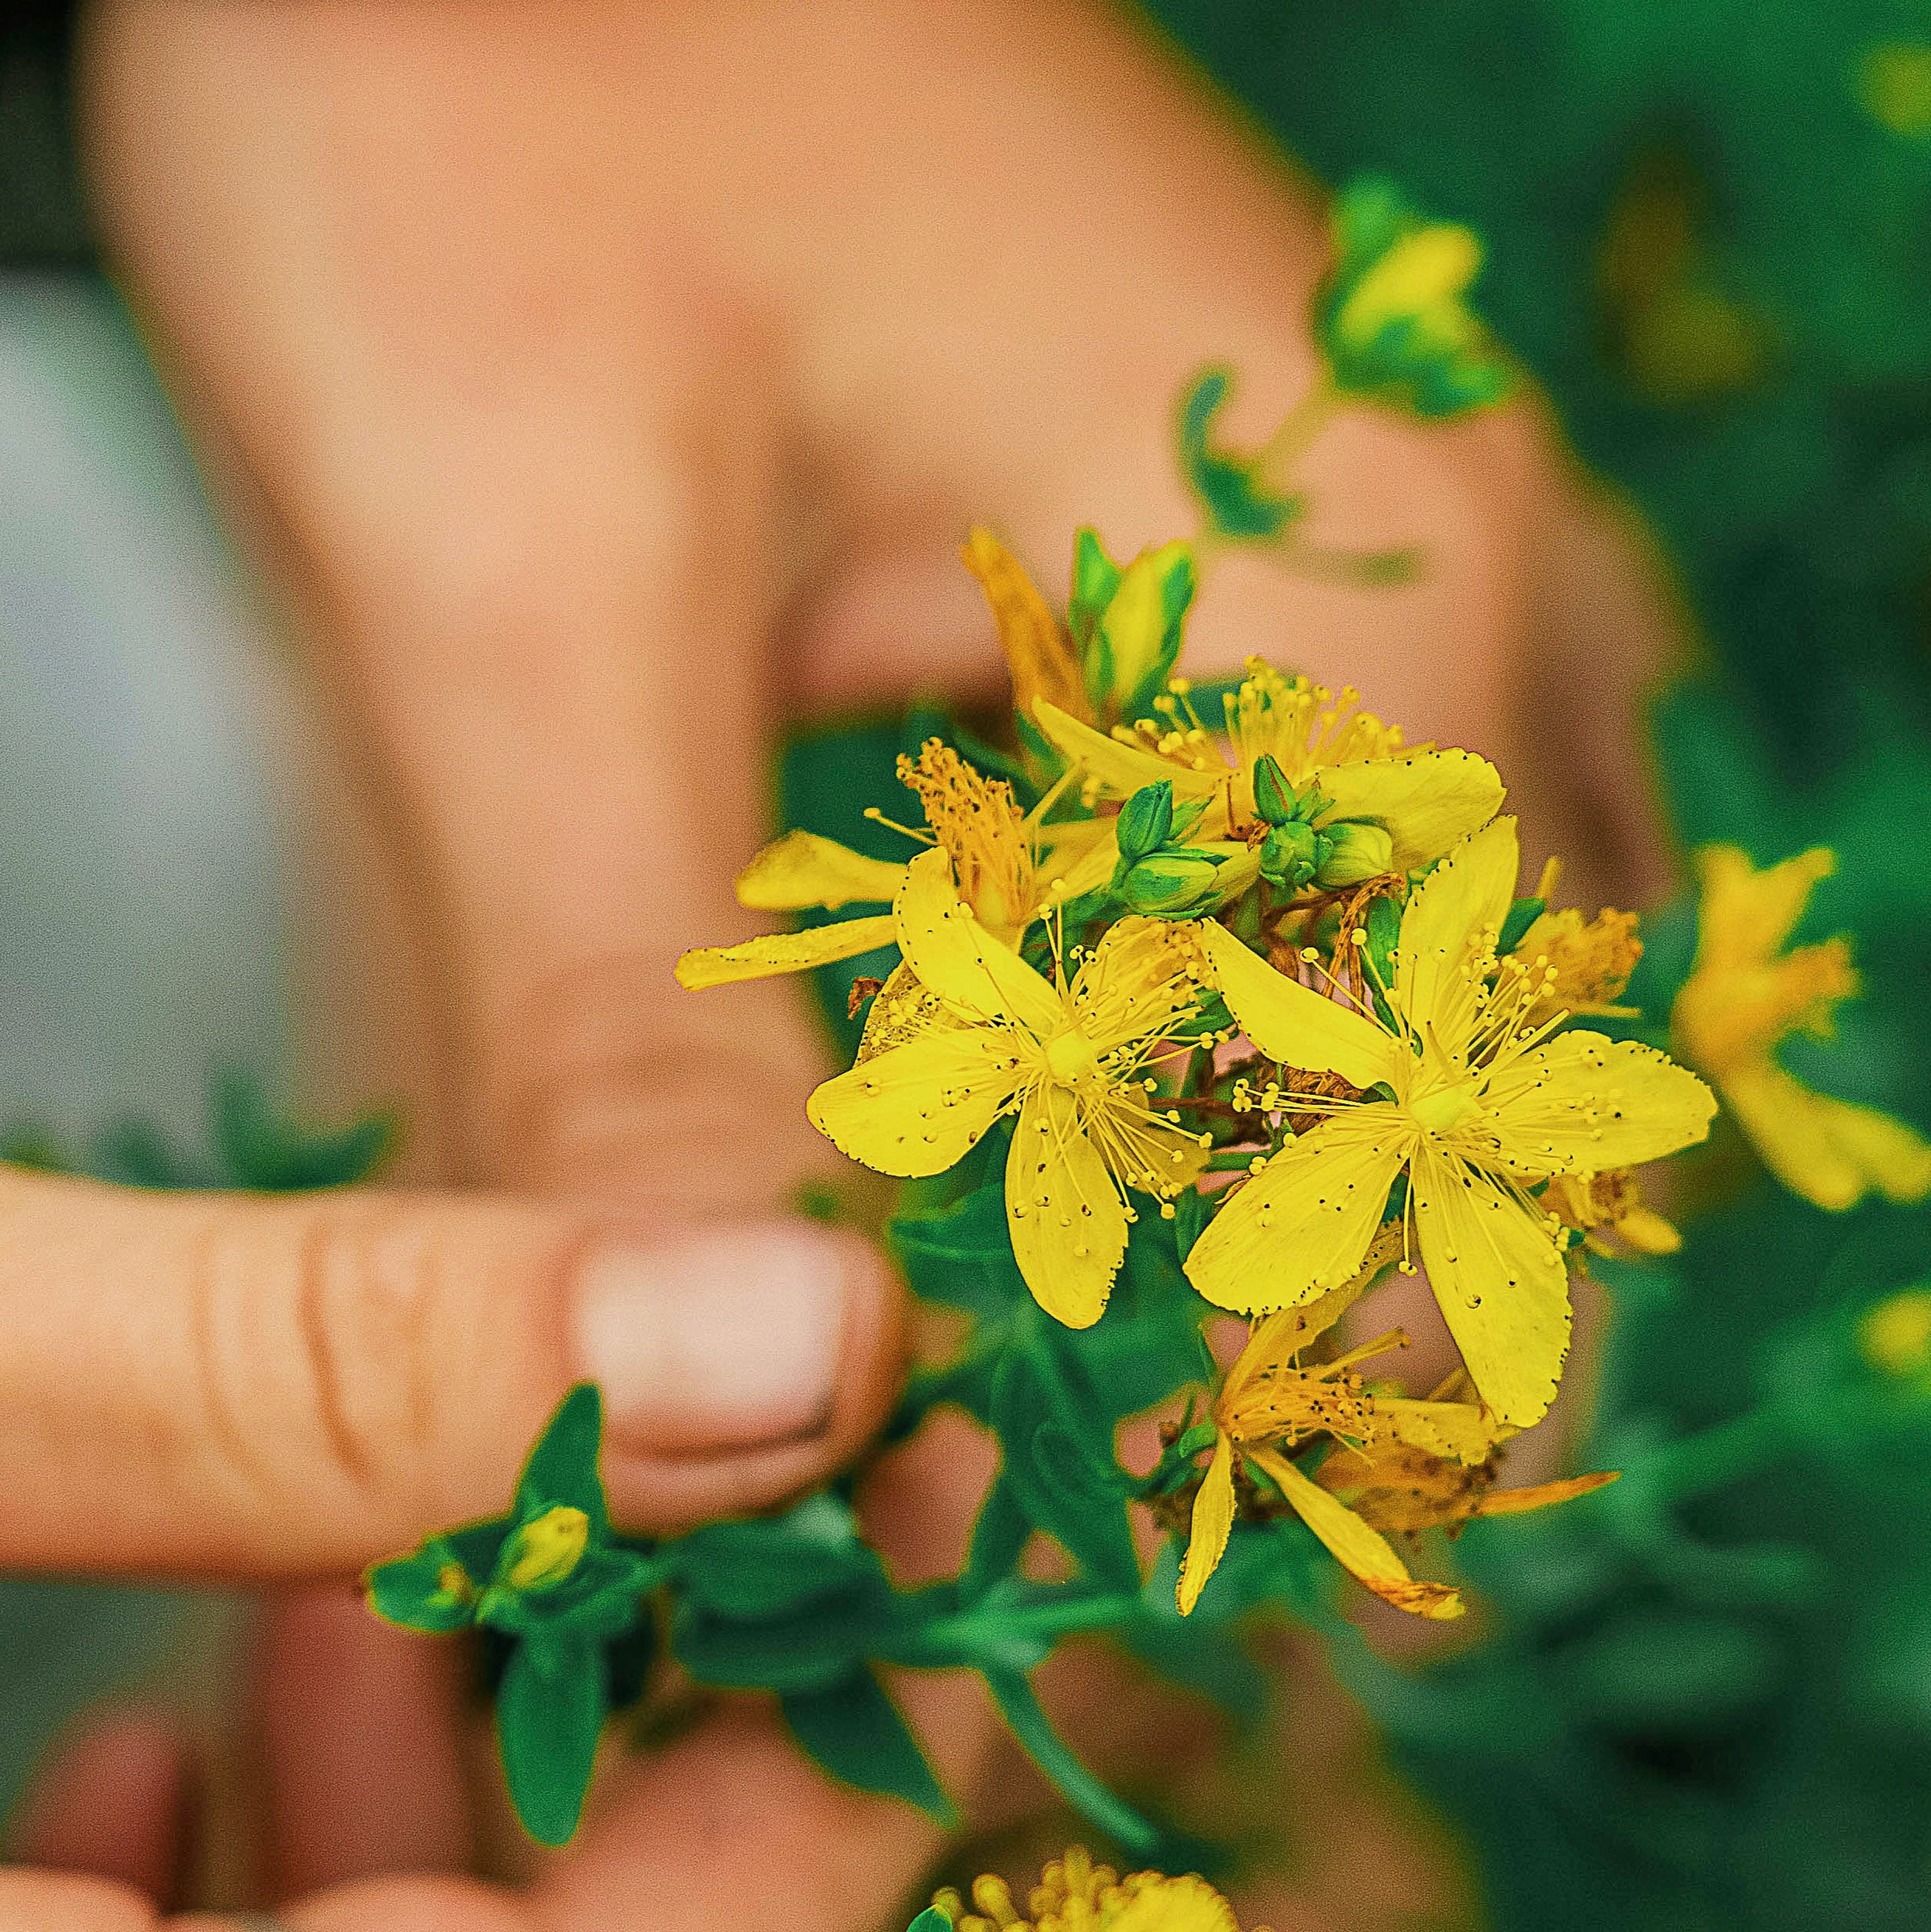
(1709, 233)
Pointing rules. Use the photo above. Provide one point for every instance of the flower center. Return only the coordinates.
(1441, 1108)
(1071, 1057)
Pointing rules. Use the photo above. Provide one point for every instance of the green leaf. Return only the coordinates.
(1088, 1794)
(415, 1591)
(550, 1713)
(931, 1920)
(766, 1567)
(562, 1467)
(1238, 502)
(999, 1539)
(265, 1150)
(854, 1731)
(1522, 915)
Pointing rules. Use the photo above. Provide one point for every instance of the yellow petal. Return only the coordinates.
(803, 870)
(1455, 912)
(1648, 1232)
(1582, 1102)
(1066, 1216)
(1540, 1495)
(917, 1109)
(1832, 1152)
(1364, 1553)
(1301, 1226)
(1290, 1023)
(1425, 801)
(1284, 1334)
(1038, 655)
(1498, 1276)
(1744, 915)
(1213, 1524)
(1119, 770)
(957, 959)
(1459, 1432)
(778, 952)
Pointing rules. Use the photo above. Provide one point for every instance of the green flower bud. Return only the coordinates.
(1291, 854)
(546, 1550)
(1127, 623)
(1274, 797)
(1171, 885)
(1145, 821)
(1357, 851)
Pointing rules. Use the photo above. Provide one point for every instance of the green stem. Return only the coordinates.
(1277, 457)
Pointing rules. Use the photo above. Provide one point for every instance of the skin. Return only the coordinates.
(538, 349)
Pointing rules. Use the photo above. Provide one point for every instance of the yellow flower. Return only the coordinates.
(1746, 993)
(1009, 868)
(1074, 1895)
(1482, 1103)
(972, 1033)
(1269, 1402)
(1424, 798)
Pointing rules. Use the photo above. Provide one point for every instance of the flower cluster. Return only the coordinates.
(1267, 975)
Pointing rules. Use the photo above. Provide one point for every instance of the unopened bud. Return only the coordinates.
(1357, 851)
(1146, 819)
(1290, 854)
(1171, 884)
(545, 1551)
(1274, 797)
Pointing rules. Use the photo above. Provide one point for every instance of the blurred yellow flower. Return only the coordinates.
(1074, 1895)
(1748, 991)
(971, 1032)
(1482, 1103)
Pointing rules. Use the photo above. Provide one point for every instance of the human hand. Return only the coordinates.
(540, 344)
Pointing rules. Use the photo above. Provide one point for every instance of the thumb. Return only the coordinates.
(223, 1385)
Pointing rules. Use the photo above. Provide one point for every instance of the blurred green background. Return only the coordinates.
(1710, 223)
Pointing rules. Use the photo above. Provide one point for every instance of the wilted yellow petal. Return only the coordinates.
(1540, 1495)
(1292, 1023)
(1425, 800)
(1582, 1102)
(1038, 654)
(1067, 1218)
(803, 870)
(1498, 1276)
(1301, 1226)
(955, 958)
(1213, 1524)
(1457, 909)
(917, 1109)
(1119, 770)
(1364, 1553)
(776, 952)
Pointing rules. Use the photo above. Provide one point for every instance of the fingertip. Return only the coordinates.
(739, 1364)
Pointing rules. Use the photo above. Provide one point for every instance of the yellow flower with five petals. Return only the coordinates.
(1747, 991)
(1475, 1106)
(978, 1033)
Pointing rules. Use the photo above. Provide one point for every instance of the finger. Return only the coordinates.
(296, 1386)
(356, 1721)
(113, 1805)
(64, 1902)
(548, 586)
